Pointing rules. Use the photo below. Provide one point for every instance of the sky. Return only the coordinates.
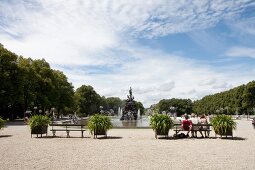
(161, 48)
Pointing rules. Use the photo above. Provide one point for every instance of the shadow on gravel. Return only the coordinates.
(110, 137)
(58, 137)
(234, 138)
(15, 123)
(5, 136)
(168, 138)
(189, 138)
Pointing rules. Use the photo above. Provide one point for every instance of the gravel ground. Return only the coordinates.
(125, 149)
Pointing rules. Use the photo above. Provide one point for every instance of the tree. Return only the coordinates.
(26, 83)
(139, 105)
(88, 101)
(113, 103)
(63, 98)
(181, 105)
(10, 89)
(249, 97)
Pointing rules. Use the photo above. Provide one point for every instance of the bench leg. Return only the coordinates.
(54, 133)
(67, 133)
(82, 134)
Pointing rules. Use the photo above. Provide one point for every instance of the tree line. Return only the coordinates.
(28, 84)
(179, 106)
(239, 100)
(88, 102)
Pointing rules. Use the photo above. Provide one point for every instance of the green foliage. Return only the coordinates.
(10, 89)
(161, 123)
(239, 99)
(26, 83)
(113, 103)
(1, 123)
(38, 121)
(182, 105)
(248, 102)
(223, 123)
(99, 123)
(139, 105)
(87, 99)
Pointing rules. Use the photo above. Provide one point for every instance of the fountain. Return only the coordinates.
(138, 114)
(130, 111)
(119, 112)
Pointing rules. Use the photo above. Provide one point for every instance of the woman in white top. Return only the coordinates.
(203, 121)
(195, 128)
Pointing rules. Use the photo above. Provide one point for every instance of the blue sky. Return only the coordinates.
(163, 49)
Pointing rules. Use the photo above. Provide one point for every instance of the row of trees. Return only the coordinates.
(239, 100)
(179, 106)
(88, 101)
(28, 84)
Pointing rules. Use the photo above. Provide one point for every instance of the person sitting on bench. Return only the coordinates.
(195, 121)
(186, 124)
(203, 121)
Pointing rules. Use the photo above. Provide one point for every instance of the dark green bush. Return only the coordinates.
(161, 123)
(38, 121)
(99, 123)
(223, 123)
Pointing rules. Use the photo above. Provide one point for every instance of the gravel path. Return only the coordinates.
(126, 149)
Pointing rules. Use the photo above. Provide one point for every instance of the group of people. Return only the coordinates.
(188, 125)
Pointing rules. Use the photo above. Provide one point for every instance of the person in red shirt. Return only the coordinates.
(186, 124)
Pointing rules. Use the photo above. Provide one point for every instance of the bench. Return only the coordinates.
(179, 129)
(67, 128)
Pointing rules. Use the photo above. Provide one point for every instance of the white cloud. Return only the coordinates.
(102, 34)
(222, 86)
(154, 78)
(240, 51)
(206, 82)
(245, 26)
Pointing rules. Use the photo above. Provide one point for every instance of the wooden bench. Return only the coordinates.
(67, 128)
(179, 129)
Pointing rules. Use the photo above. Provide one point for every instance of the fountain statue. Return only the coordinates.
(130, 111)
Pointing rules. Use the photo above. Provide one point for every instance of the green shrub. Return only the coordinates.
(161, 123)
(99, 123)
(223, 124)
(1, 123)
(38, 121)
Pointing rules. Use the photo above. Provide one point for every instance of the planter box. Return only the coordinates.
(229, 132)
(159, 133)
(99, 132)
(39, 130)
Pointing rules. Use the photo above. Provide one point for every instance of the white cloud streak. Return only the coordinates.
(241, 52)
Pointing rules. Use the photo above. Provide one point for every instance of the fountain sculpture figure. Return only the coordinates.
(130, 110)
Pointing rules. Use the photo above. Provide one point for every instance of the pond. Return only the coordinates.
(143, 122)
